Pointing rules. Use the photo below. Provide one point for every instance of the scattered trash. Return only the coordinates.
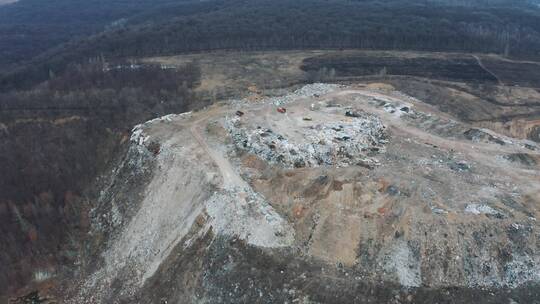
(405, 109)
(345, 143)
(478, 209)
(281, 110)
(333, 104)
(154, 147)
(508, 201)
(459, 166)
(393, 190)
(522, 158)
(516, 226)
(478, 135)
(138, 136)
(351, 113)
(530, 147)
(32, 297)
(438, 210)
(239, 113)
(390, 108)
(310, 90)
(307, 118)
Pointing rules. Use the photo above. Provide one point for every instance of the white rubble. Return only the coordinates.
(404, 264)
(478, 209)
(246, 215)
(138, 136)
(327, 144)
(137, 133)
(310, 90)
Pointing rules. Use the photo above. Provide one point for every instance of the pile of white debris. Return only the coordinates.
(310, 90)
(339, 143)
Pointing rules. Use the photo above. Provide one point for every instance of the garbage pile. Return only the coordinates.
(354, 142)
(478, 209)
(315, 90)
(310, 90)
(479, 135)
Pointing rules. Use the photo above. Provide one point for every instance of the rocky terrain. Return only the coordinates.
(398, 162)
(269, 151)
(328, 194)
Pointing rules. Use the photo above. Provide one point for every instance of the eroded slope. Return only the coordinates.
(434, 209)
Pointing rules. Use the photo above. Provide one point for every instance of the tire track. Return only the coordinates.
(481, 64)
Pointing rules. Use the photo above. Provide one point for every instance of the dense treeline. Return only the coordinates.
(64, 113)
(56, 138)
(312, 24)
(129, 89)
(29, 27)
(262, 24)
(116, 97)
(458, 68)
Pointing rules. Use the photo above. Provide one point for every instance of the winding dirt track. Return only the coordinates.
(488, 70)
(483, 153)
(231, 179)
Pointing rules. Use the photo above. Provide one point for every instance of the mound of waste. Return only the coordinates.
(478, 135)
(339, 143)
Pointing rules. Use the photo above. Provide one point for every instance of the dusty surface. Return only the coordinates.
(461, 105)
(440, 206)
(489, 91)
(429, 176)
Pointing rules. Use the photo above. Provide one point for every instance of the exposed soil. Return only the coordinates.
(441, 217)
(447, 229)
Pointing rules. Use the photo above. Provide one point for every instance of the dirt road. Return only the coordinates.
(231, 179)
(488, 70)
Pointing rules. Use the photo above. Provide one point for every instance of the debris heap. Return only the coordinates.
(340, 143)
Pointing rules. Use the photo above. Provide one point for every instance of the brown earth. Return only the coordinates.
(306, 198)
(439, 212)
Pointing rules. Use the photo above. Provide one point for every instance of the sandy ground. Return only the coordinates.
(433, 194)
(334, 220)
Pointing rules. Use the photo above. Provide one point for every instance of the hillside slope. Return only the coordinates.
(60, 137)
(354, 194)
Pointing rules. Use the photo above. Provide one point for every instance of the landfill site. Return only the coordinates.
(327, 194)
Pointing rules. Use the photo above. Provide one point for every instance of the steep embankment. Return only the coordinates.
(54, 141)
(405, 204)
(190, 183)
